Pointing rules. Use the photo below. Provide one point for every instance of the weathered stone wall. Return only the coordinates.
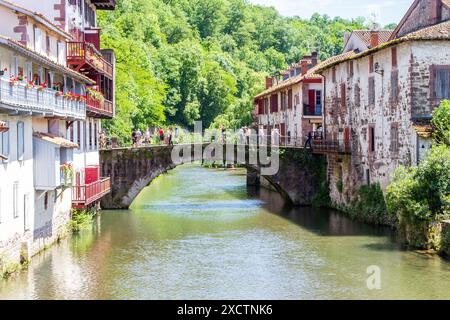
(389, 114)
(301, 178)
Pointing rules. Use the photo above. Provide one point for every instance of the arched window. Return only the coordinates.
(20, 140)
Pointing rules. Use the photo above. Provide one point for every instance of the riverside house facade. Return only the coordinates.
(380, 98)
(291, 105)
(85, 55)
(39, 97)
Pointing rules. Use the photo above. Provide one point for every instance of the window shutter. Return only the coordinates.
(20, 140)
(5, 142)
(442, 84)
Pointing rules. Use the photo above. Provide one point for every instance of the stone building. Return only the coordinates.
(379, 99)
(293, 104)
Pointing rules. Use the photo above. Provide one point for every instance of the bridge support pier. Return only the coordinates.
(253, 178)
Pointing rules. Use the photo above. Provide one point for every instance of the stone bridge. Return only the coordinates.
(300, 178)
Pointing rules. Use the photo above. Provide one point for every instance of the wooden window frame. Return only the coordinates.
(372, 138)
(433, 71)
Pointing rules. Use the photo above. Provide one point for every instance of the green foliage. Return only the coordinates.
(371, 206)
(184, 60)
(441, 123)
(340, 186)
(81, 219)
(420, 194)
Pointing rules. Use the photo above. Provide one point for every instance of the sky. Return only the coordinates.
(387, 11)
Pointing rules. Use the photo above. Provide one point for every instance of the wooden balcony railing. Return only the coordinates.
(84, 195)
(79, 52)
(99, 107)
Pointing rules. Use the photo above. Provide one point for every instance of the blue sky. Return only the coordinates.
(388, 11)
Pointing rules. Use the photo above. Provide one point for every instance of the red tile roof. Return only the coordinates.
(364, 35)
(437, 32)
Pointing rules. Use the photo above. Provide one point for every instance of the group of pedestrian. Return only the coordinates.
(165, 137)
(244, 135)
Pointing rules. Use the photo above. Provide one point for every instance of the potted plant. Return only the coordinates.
(95, 95)
(42, 86)
(66, 174)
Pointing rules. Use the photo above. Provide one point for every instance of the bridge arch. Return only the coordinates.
(133, 169)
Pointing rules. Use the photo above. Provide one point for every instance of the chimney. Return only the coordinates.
(435, 11)
(314, 58)
(374, 39)
(304, 66)
(269, 82)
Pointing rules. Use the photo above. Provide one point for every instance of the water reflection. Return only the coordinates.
(201, 234)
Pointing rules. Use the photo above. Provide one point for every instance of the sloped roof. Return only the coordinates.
(60, 141)
(364, 36)
(408, 13)
(16, 45)
(436, 32)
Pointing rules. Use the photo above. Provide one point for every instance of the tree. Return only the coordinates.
(441, 123)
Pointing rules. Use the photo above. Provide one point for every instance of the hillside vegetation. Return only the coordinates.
(183, 60)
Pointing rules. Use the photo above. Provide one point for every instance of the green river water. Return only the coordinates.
(199, 233)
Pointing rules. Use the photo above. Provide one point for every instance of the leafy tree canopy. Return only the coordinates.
(184, 60)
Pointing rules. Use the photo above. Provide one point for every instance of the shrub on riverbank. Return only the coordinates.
(370, 207)
(418, 197)
(81, 219)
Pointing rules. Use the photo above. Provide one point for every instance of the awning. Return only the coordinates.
(62, 142)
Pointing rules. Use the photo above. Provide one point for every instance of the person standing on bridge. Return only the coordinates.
(169, 137)
(161, 135)
(309, 140)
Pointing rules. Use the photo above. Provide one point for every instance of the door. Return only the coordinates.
(312, 102)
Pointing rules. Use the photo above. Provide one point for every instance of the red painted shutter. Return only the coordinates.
(312, 101)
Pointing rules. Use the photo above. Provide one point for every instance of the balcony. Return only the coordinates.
(85, 58)
(331, 146)
(18, 96)
(99, 109)
(312, 111)
(85, 195)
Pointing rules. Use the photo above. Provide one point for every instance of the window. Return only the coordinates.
(350, 69)
(290, 99)
(90, 135)
(371, 138)
(20, 140)
(394, 57)
(37, 40)
(334, 75)
(4, 142)
(442, 83)
(26, 212)
(16, 200)
(318, 98)
(343, 96)
(274, 103)
(47, 43)
(95, 136)
(394, 138)
(371, 65)
(357, 96)
(72, 137)
(394, 86)
(371, 91)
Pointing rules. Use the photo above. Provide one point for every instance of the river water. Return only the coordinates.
(199, 233)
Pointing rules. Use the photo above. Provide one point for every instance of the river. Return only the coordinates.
(199, 233)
